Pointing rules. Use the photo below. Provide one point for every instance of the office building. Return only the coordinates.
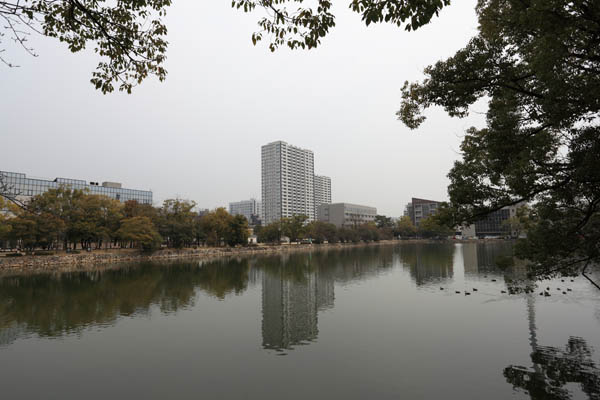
(495, 224)
(248, 208)
(322, 191)
(287, 174)
(419, 209)
(23, 188)
(346, 214)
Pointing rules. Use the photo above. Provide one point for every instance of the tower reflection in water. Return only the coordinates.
(296, 287)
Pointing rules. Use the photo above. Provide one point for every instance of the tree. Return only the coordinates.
(320, 232)
(298, 26)
(4, 219)
(405, 228)
(432, 227)
(347, 235)
(538, 63)
(270, 233)
(177, 222)
(237, 234)
(141, 232)
(368, 232)
(216, 226)
(381, 221)
(293, 227)
(129, 36)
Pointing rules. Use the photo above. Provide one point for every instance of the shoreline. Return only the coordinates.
(86, 261)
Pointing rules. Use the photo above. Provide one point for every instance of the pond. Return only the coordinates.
(380, 322)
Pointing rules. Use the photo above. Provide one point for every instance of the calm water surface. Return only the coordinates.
(368, 323)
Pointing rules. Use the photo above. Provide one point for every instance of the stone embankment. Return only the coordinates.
(86, 261)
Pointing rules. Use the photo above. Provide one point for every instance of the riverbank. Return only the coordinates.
(84, 261)
(65, 262)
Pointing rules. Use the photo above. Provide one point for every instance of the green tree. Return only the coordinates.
(296, 25)
(270, 233)
(177, 222)
(405, 228)
(129, 36)
(293, 227)
(538, 64)
(216, 226)
(320, 232)
(381, 221)
(368, 232)
(140, 231)
(348, 235)
(432, 227)
(237, 234)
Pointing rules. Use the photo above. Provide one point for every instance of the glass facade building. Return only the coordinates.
(24, 188)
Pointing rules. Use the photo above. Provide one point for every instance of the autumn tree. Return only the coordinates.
(216, 226)
(140, 231)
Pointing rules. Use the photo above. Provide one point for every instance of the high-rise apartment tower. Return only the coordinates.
(322, 190)
(287, 175)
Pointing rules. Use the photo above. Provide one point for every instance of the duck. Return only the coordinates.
(467, 294)
(457, 292)
(474, 289)
(503, 291)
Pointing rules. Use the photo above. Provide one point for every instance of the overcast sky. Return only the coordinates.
(198, 134)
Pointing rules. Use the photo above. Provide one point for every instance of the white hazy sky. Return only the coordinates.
(198, 134)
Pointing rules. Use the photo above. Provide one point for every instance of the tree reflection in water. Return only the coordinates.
(554, 368)
(54, 305)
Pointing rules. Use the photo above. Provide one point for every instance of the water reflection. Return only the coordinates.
(429, 262)
(296, 287)
(554, 368)
(54, 305)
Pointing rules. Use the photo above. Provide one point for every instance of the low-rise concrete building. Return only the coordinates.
(346, 214)
(419, 209)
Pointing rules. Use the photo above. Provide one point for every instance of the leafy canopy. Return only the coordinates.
(295, 24)
(128, 36)
(538, 64)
